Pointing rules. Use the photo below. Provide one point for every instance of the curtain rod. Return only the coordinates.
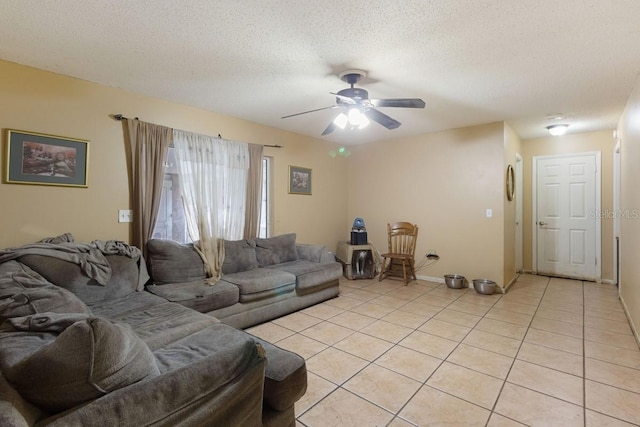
(120, 117)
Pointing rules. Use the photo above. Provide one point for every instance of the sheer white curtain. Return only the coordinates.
(213, 176)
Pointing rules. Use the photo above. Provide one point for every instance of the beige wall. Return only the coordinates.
(443, 182)
(629, 134)
(602, 142)
(511, 148)
(39, 101)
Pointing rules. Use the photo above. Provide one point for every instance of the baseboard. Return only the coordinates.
(636, 335)
(511, 282)
(528, 272)
(431, 279)
(607, 282)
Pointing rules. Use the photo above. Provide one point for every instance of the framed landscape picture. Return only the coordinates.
(299, 180)
(41, 159)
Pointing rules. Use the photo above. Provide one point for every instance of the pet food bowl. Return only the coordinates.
(484, 286)
(455, 281)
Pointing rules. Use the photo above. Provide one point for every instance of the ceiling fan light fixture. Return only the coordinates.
(364, 122)
(354, 116)
(341, 120)
(357, 118)
(357, 110)
(557, 130)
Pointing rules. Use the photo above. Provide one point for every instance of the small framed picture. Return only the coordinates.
(299, 180)
(41, 159)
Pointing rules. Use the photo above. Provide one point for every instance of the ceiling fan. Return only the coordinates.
(356, 107)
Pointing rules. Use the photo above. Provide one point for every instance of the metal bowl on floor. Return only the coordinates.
(484, 286)
(455, 281)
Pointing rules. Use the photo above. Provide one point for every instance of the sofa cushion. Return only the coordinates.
(123, 280)
(276, 250)
(261, 283)
(310, 274)
(88, 359)
(171, 262)
(131, 303)
(239, 255)
(315, 253)
(231, 345)
(199, 296)
(164, 322)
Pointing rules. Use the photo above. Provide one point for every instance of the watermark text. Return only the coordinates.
(613, 214)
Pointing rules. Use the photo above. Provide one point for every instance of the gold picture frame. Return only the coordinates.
(510, 185)
(299, 180)
(42, 159)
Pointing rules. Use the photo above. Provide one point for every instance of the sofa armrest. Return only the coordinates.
(315, 253)
(285, 377)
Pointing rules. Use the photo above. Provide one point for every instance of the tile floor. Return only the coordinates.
(550, 352)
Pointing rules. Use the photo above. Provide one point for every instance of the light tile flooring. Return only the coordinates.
(550, 352)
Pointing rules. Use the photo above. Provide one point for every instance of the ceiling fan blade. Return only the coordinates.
(329, 129)
(310, 111)
(344, 98)
(382, 118)
(399, 102)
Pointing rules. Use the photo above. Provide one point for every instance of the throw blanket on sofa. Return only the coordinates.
(89, 256)
(43, 322)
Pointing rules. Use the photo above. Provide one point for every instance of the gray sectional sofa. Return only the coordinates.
(262, 278)
(83, 344)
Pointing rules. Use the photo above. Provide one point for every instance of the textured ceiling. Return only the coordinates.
(473, 61)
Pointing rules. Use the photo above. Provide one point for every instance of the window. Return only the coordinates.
(265, 209)
(171, 222)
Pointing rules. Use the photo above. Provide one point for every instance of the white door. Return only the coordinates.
(566, 222)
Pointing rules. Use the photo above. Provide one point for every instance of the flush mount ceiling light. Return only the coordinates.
(557, 130)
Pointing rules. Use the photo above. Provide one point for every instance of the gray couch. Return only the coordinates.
(82, 345)
(262, 278)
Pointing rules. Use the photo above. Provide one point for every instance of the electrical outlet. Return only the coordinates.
(125, 215)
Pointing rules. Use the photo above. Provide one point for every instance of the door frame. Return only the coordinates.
(598, 208)
(519, 213)
(617, 157)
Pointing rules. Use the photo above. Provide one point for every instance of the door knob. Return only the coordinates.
(542, 224)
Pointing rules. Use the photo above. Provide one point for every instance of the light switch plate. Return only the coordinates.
(489, 213)
(125, 215)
